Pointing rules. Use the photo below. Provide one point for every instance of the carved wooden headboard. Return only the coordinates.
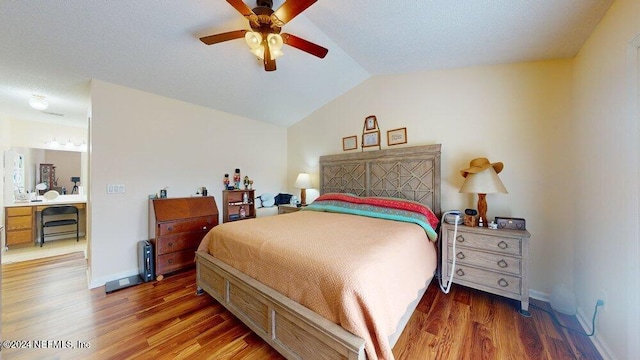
(411, 173)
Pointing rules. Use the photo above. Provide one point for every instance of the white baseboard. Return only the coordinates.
(598, 342)
(585, 323)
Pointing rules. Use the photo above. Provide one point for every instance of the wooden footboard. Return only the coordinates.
(292, 329)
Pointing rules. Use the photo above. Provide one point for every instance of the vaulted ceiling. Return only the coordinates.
(54, 47)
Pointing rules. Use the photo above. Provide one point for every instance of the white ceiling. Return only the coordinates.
(54, 47)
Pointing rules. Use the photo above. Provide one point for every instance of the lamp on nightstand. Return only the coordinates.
(303, 182)
(482, 178)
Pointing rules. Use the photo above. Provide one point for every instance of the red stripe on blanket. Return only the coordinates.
(385, 202)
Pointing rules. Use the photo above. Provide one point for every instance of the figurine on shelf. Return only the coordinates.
(245, 181)
(226, 181)
(236, 179)
(243, 214)
(250, 184)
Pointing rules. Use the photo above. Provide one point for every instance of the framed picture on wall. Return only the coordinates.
(371, 139)
(397, 136)
(370, 123)
(349, 143)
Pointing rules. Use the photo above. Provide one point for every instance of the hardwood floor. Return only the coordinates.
(46, 302)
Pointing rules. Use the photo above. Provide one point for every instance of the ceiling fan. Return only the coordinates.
(265, 39)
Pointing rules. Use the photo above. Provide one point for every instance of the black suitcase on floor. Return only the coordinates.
(145, 260)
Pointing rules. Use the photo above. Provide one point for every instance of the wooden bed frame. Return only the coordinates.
(296, 332)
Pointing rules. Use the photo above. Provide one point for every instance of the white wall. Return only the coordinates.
(517, 114)
(147, 142)
(605, 176)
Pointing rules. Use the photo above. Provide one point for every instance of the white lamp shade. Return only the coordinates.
(484, 182)
(303, 181)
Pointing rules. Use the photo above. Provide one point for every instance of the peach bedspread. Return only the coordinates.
(356, 271)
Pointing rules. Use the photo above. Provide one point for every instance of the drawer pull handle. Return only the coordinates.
(460, 255)
(503, 264)
(170, 228)
(460, 238)
(502, 282)
(503, 245)
(170, 261)
(204, 228)
(460, 272)
(170, 244)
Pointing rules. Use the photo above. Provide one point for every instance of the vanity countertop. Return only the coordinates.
(60, 200)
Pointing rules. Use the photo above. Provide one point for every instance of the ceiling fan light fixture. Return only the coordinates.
(276, 54)
(275, 41)
(38, 102)
(259, 52)
(253, 39)
(275, 45)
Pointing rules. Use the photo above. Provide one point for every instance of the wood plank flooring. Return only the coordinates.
(45, 302)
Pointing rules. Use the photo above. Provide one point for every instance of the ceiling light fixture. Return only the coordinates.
(54, 144)
(38, 102)
(69, 145)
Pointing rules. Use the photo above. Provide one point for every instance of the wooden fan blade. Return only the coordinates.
(244, 10)
(289, 10)
(269, 63)
(304, 45)
(241, 7)
(217, 38)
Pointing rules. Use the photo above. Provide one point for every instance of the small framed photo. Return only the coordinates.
(371, 139)
(370, 123)
(349, 143)
(397, 136)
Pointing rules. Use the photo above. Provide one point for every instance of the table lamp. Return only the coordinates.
(482, 178)
(303, 182)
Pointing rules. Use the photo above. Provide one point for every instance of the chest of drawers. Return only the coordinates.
(19, 225)
(495, 261)
(176, 227)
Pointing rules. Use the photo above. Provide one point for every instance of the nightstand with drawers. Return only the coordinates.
(495, 261)
(286, 208)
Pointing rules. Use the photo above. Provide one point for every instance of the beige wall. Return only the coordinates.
(147, 142)
(67, 164)
(517, 114)
(605, 167)
(33, 134)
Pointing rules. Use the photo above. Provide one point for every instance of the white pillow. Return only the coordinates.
(267, 200)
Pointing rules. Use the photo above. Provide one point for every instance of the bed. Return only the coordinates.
(308, 327)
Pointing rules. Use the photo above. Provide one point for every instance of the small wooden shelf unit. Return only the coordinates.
(233, 202)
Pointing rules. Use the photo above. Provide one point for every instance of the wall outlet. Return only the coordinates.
(115, 189)
(602, 297)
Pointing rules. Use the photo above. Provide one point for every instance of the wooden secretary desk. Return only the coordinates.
(176, 227)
